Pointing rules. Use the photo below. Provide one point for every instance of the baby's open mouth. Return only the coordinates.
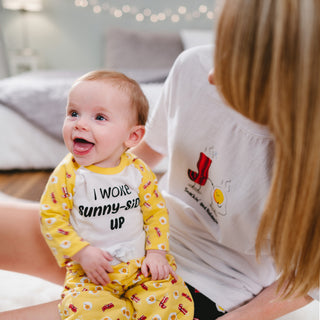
(82, 146)
(80, 140)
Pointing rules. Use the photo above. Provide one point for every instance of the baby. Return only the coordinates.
(102, 214)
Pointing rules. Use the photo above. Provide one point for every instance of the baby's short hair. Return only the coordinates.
(129, 86)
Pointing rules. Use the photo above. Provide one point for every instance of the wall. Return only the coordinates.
(69, 37)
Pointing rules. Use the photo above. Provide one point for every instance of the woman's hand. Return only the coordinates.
(267, 305)
(95, 263)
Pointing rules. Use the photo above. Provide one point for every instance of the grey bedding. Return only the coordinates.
(39, 97)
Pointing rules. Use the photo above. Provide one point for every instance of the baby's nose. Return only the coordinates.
(82, 124)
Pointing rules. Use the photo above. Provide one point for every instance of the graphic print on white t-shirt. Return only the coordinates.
(201, 184)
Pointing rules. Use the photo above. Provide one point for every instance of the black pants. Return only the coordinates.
(204, 308)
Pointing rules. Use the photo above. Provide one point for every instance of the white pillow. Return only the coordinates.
(195, 37)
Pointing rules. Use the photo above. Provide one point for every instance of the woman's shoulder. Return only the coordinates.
(197, 53)
(195, 58)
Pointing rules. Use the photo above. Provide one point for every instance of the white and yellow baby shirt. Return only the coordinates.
(119, 210)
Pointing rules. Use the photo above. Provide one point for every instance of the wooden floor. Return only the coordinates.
(24, 184)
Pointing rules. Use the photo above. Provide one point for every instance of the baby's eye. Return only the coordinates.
(73, 113)
(100, 117)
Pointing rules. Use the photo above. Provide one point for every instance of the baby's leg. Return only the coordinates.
(161, 299)
(88, 305)
(85, 300)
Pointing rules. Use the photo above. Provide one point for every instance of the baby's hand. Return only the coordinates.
(157, 264)
(95, 263)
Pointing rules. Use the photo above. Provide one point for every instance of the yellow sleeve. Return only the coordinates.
(56, 204)
(155, 213)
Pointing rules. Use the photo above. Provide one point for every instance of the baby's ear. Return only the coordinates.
(136, 135)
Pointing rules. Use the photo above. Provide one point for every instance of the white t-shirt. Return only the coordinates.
(216, 185)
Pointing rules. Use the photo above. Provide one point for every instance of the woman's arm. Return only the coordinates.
(22, 246)
(23, 249)
(48, 311)
(266, 306)
(147, 154)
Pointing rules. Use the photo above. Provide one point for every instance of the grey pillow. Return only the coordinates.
(127, 49)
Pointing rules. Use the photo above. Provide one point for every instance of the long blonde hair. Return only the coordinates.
(267, 66)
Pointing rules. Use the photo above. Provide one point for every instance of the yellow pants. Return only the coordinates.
(130, 295)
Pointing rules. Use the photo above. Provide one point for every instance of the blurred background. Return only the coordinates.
(70, 34)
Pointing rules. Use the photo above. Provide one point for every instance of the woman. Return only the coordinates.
(221, 165)
(279, 87)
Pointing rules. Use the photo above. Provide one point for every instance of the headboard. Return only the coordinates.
(133, 49)
(149, 56)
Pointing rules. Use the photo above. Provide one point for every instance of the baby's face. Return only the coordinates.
(98, 123)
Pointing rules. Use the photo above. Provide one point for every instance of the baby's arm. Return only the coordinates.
(157, 265)
(55, 207)
(156, 225)
(65, 243)
(95, 263)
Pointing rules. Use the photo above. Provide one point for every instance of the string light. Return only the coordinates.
(139, 17)
(147, 14)
(203, 8)
(126, 8)
(175, 18)
(81, 3)
(97, 9)
(182, 10)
